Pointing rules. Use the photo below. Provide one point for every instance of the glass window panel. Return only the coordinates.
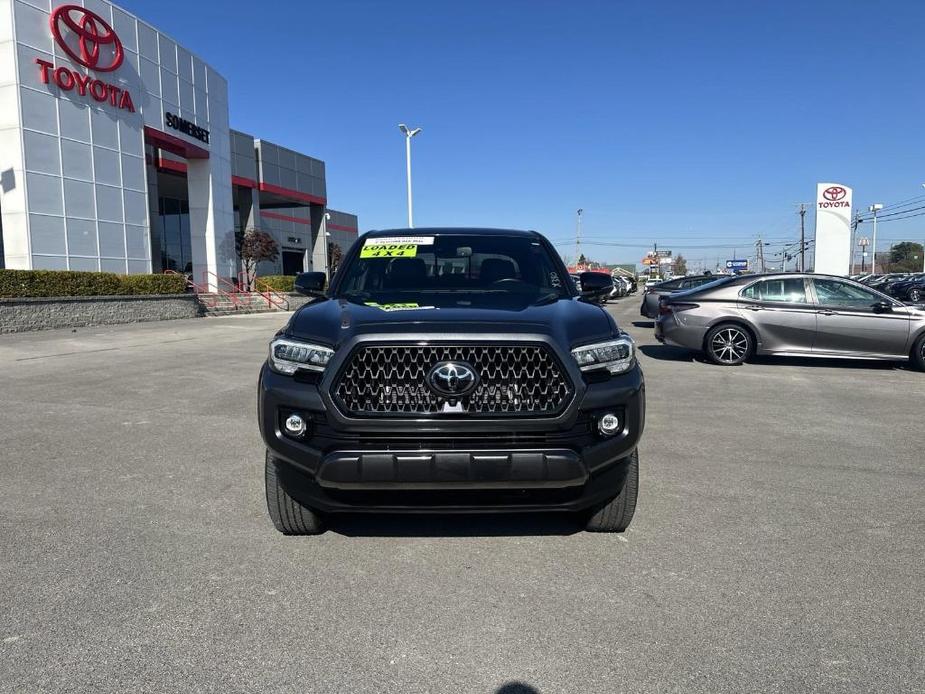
(786, 290)
(171, 206)
(835, 293)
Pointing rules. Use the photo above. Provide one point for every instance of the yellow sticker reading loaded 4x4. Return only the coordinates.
(392, 250)
(394, 246)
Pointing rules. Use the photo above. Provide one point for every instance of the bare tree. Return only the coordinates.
(335, 256)
(255, 246)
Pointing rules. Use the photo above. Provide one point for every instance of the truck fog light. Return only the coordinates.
(609, 424)
(295, 425)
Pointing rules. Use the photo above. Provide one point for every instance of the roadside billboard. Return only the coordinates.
(833, 229)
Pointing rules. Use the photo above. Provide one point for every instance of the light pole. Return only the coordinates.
(324, 239)
(875, 208)
(578, 236)
(408, 135)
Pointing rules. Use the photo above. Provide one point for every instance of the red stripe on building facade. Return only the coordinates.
(175, 145)
(243, 182)
(338, 227)
(289, 193)
(284, 217)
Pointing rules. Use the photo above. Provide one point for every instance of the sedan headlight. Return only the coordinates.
(614, 355)
(288, 356)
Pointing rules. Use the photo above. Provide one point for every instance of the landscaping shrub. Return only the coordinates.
(280, 283)
(38, 283)
(153, 284)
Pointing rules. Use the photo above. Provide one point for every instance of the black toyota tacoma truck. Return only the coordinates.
(451, 370)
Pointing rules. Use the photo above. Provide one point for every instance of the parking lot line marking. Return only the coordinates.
(69, 354)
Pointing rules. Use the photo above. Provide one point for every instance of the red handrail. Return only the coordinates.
(232, 291)
(273, 297)
(233, 295)
(198, 289)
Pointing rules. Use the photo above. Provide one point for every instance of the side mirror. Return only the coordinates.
(882, 307)
(595, 284)
(310, 283)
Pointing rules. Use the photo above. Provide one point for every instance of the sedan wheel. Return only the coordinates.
(915, 295)
(918, 353)
(728, 345)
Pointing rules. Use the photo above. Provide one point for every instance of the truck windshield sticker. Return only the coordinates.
(389, 240)
(406, 306)
(393, 250)
(394, 246)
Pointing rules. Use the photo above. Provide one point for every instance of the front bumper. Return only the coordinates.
(427, 466)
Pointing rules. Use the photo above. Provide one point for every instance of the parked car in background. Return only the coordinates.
(792, 315)
(619, 289)
(622, 286)
(649, 307)
(883, 283)
(910, 289)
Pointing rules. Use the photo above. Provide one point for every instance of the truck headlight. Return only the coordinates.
(288, 356)
(614, 355)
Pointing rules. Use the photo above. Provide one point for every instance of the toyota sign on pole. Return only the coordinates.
(833, 229)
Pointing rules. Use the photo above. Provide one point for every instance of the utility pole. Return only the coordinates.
(802, 237)
(875, 208)
(759, 246)
(854, 229)
(578, 237)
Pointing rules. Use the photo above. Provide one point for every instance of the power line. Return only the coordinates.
(880, 220)
(903, 203)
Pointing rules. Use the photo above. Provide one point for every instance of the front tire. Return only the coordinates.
(615, 515)
(288, 515)
(729, 344)
(915, 295)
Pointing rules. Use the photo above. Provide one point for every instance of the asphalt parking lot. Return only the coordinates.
(778, 544)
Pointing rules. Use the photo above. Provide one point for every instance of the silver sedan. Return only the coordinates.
(792, 314)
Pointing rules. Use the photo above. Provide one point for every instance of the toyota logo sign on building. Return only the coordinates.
(832, 249)
(834, 193)
(86, 38)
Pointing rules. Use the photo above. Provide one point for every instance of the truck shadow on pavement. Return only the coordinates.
(644, 323)
(670, 353)
(447, 525)
(516, 688)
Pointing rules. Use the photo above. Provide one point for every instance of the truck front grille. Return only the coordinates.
(514, 381)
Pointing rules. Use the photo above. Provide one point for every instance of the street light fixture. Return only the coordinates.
(875, 208)
(409, 133)
(325, 234)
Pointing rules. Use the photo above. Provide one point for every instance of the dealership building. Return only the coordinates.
(116, 154)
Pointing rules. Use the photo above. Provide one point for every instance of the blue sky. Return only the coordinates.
(695, 124)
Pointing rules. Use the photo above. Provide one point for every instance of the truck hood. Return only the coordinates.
(568, 321)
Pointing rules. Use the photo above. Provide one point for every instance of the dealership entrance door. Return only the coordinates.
(293, 261)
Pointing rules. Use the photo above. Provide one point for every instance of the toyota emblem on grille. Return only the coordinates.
(452, 379)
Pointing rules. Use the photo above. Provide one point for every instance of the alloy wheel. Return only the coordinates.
(729, 345)
(915, 296)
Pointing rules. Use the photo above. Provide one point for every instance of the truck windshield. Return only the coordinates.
(399, 268)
